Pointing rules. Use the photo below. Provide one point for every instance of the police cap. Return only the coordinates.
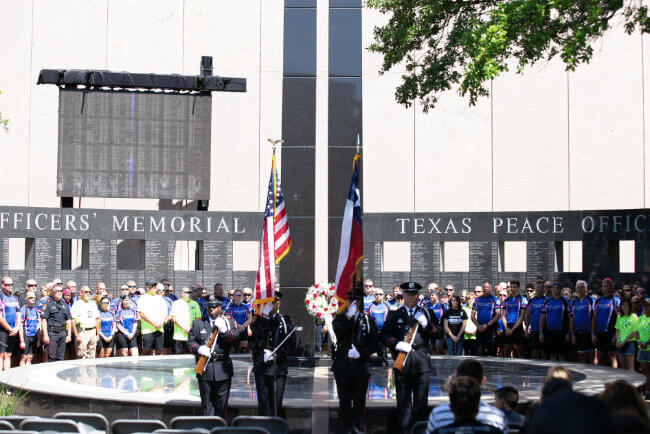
(213, 301)
(410, 287)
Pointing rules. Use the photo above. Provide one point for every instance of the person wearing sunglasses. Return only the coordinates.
(30, 330)
(106, 330)
(9, 321)
(30, 285)
(242, 316)
(368, 294)
(86, 321)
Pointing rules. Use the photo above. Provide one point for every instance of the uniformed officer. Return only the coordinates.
(412, 381)
(57, 327)
(214, 383)
(357, 338)
(268, 332)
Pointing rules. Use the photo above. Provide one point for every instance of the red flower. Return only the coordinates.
(318, 315)
(315, 295)
(307, 301)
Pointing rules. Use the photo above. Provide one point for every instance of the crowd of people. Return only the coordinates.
(59, 321)
(618, 409)
(545, 320)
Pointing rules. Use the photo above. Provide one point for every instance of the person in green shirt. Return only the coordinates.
(183, 313)
(470, 328)
(625, 338)
(642, 334)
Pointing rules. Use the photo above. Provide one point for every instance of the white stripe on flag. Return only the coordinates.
(346, 233)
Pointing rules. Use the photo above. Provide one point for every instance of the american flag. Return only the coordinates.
(276, 239)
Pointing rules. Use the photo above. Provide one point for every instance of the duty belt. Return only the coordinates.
(218, 357)
(55, 328)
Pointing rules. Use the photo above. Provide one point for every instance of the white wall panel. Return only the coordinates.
(68, 35)
(15, 85)
(530, 139)
(605, 126)
(388, 147)
(453, 156)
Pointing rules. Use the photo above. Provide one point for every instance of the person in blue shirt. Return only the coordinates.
(486, 311)
(379, 311)
(106, 329)
(248, 298)
(116, 303)
(581, 312)
(602, 325)
(242, 317)
(533, 313)
(126, 322)
(10, 322)
(434, 304)
(368, 294)
(28, 333)
(197, 295)
(512, 315)
(554, 324)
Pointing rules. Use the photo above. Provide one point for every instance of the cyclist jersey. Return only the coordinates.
(437, 309)
(642, 326)
(238, 313)
(556, 311)
(514, 307)
(535, 306)
(379, 311)
(626, 325)
(127, 319)
(248, 304)
(605, 308)
(485, 307)
(500, 324)
(30, 317)
(106, 319)
(9, 308)
(115, 305)
(367, 301)
(42, 303)
(581, 311)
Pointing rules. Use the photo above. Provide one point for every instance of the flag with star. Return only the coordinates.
(275, 242)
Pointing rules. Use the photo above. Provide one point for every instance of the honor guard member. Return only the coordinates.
(57, 327)
(214, 383)
(357, 338)
(269, 330)
(412, 380)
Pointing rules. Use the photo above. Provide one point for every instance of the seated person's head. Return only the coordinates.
(471, 368)
(506, 398)
(464, 397)
(559, 372)
(621, 397)
(555, 385)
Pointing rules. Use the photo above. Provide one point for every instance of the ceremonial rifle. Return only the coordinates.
(203, 361)
(400, 360)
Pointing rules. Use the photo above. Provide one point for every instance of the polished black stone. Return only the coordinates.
(299, 42)
(345, 42)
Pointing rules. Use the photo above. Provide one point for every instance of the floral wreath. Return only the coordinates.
(321, 300)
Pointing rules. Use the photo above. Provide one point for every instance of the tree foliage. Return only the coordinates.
(4, 122)
(464, 44)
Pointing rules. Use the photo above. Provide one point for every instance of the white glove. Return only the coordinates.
(352, 309)
(404, 347)
(353, 353)
(204, 351)
(421, 318)
(267, 309)
(268, 355)
(221, 324)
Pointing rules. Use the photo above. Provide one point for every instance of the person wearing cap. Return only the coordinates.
(86, 322)
(183, 314)
(603, 325)
(154, 313)
(30, 330)
(10, 323)
(268, 331)
(214, 382)
(412, 381)
(57, 327)
(357, 338)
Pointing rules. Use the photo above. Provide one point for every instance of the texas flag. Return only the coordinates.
(351, 250)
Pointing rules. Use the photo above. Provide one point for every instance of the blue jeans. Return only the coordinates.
(455, 348)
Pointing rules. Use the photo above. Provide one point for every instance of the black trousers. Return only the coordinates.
(214, 397)
(412, 398)
(56, 347)
(264, 386)
(352, 402)
(487, 341)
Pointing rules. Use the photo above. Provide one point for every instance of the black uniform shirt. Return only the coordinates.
(56, 313)
(267, 335)
(221, 368)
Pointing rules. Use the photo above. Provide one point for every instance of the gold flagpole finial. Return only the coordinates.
(275, 143)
